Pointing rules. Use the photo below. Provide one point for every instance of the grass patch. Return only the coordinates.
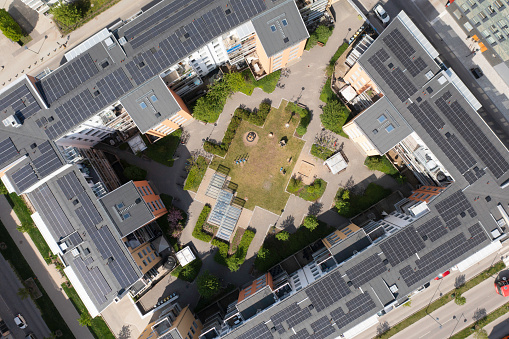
(49, 312)
(380, 163)
(198, 231)
(196, 173)
(305, 117)
(321, 152)
(267, 83)
(273, 251)
(321, 34)
(25, 39)
(89, 9)
(349, 204)
(332, 62)
(188, 272)
(98, 327)
(444, 300)
(327, 94)
(310, 192)
(260, 182)
(162, 151)
(234, 261)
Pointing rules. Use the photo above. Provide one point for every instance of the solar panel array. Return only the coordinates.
(395, 78)
(7, 150)
(402, 245)
(94, 280)
(87, 213)
(70, 185)
(73, 240)
(25, 177)
(327, 290)
(110, 248)
(473, 135)
(474, 174)
(433, 229)
(367, 269)
(400, 46)
(429, 119)
(322, 328)
(449, 208)
(259, 331)
(443, 254)
(293, 315)
(49, 207)
(48, 162)
(22, 102)
(68, 77)
(357, 307)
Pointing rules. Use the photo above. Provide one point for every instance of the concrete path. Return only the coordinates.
(47, 275)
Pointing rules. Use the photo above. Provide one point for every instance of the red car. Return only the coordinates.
(441, 275)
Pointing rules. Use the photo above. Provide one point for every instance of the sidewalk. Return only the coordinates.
(47, 275)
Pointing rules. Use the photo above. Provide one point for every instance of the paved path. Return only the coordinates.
(47, 275)
(11, 304)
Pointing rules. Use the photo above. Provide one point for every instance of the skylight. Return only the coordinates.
(273, 28)
(382, 118)
(143, 105)
(284, 22)
(153, 98)
(389, 128)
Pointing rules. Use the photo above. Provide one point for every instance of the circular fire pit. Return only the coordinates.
(251, 136)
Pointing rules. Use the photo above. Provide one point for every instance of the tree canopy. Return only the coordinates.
(67, 15)
(334, 116)
(310, 222)
(9, 27)
(208, 285)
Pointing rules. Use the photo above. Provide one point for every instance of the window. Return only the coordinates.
(499, 4)
(144, 262)
(148, 249)
(161, 202)
(471, 2)
(189, 334)
(485, 33)
(126, 216)
(144, 190)
(143, 105)
(140, 255)
(502, 23)
(284, 22)
(468, 26)
(148, 189)
(157, 203)
(121, 205)
(195, 325)
(493, 28)
(153, 256)
(465, 8)
(144, 252)
(490, 9)
(491, 40)
(475, 20)
(506, 30)
(389, 128)
(149, 260)
(457, 14)
(273, 28)
(482, 15)
(192, 330)
(153, 98)
(382, 118)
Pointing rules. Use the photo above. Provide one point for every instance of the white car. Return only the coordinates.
(382, 14)
(20, 321)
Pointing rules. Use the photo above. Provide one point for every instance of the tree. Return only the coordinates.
(208, 285)
(283, 236)
(235, 81)
(174, 221)
(460, 300)
(334, 116)
(481, 333)
(85, 319)
(9, 27)
(310, 222)
(66, 14)
(343, 202)
(135, 173)
(23, 293)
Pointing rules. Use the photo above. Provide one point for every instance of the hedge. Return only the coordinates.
(321, 152)
(305, 117)
(198, 231)
(234, 261)
(260, 116)
(196, 174)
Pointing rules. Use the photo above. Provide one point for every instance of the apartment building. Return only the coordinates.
(362, 270)
(173, 322)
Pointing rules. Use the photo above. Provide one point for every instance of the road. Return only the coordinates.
(11, 304)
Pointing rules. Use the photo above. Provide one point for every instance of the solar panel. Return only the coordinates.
(73, 240)
(402, 245)
(302, 334)
(449, 208)
(293, 315)
(366, 270)
(443, 255)
(87, 213)
(21, 101)
(117, 262)
(48, 162)
(405, 53)
(327, 290)
(259, 331)
(70, 185)
(322, 328)
(433, 229)
(24, 177)
(357, 307)
(48, 206)
(473, 135)
(7, 150)
(94, 280)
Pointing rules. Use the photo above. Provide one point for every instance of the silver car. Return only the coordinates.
(382, 14)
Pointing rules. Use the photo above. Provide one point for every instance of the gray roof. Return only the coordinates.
(457, 226)
(260, 300)
(164, 107)
(383, 125)
(280, 28)
(127, 209)
(79, 224)
(346, 248)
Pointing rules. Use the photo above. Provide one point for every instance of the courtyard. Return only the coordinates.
(263, 177)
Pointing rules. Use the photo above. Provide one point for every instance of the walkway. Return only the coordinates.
(47, 275)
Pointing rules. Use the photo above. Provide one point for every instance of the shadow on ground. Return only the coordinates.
(25, 16)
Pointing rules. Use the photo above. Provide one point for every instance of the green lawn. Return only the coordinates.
(48, 310)
(380, 163)
(259, 180)
(196, 174)
(267, 83)
(98, 328)
(310, 192)
(162, 151)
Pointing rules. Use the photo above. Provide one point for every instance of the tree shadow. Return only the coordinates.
(460, 281)
(26, 17)
(479, 314)
(315, 208)
(382, 328)
(288, 224)
(125, 332)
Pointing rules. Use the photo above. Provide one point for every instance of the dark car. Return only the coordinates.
(476, 72)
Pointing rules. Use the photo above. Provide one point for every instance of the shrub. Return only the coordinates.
(332, 62)
(198, 231)
(327, 94)
(349, 204)
(213, 148)
(301, 130)
(342, 202)
(305, 117)
(65, 14)
(241, 113)
(310, 222)
(85, 319)
(294, 185)
(321, 34)
(175, 219)
(380, 163)
(208, 285)
(188, 272)
(9, 27)
(314, 191)
(334, 116)
(459, 299)
(196, 173)
(283, 236)
(321, 152)
(234, 261)
(135, 173)
(259, 117)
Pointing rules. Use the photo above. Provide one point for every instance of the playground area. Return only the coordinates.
(261, 163)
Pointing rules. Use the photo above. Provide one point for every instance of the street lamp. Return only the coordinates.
(45, 37)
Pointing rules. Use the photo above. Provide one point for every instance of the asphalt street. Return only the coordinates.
(11, 304)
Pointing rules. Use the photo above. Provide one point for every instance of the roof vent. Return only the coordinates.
(137, 201)
(424, 237)
(390, 65)
(141, 64)
(488, 198)
(75, 202)
(228, 11)
(349, 283)
(463, 214)
(158, 114)
(419, 99)
(386, 262)
(50, 119)
(153, 50)
(447, 135)
(375, 131)
(429, 75)
(105, 64)
(285, 40)
(96, 93)
(12, 120)
(273, 329)
(33, 146)
(429, 90)
(311, 307)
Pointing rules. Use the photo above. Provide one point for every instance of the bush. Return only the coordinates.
(135, 173)
(321, 34)
(196, 172)
(216, 149)
(188, 272)
(67, 15)
(9, 27)
(198, 231)
(314, 191)
(283, 236)
(349, 204)
(301, 130)
(327, 94)
(208, 285)
(242, 113)
(332, 62)
(294, 185)
(334, 116)
(234, 261)
(305, 117)
(267, 83)
(310, 222)
(321, 152)
(343, 202)
(460, 300)
(380, 163)
(260, 116)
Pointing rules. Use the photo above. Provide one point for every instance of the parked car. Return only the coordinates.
(4, 330)
(442, 275)
(476, 72)
(382, 14)
(30, 336)
(20, 321)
